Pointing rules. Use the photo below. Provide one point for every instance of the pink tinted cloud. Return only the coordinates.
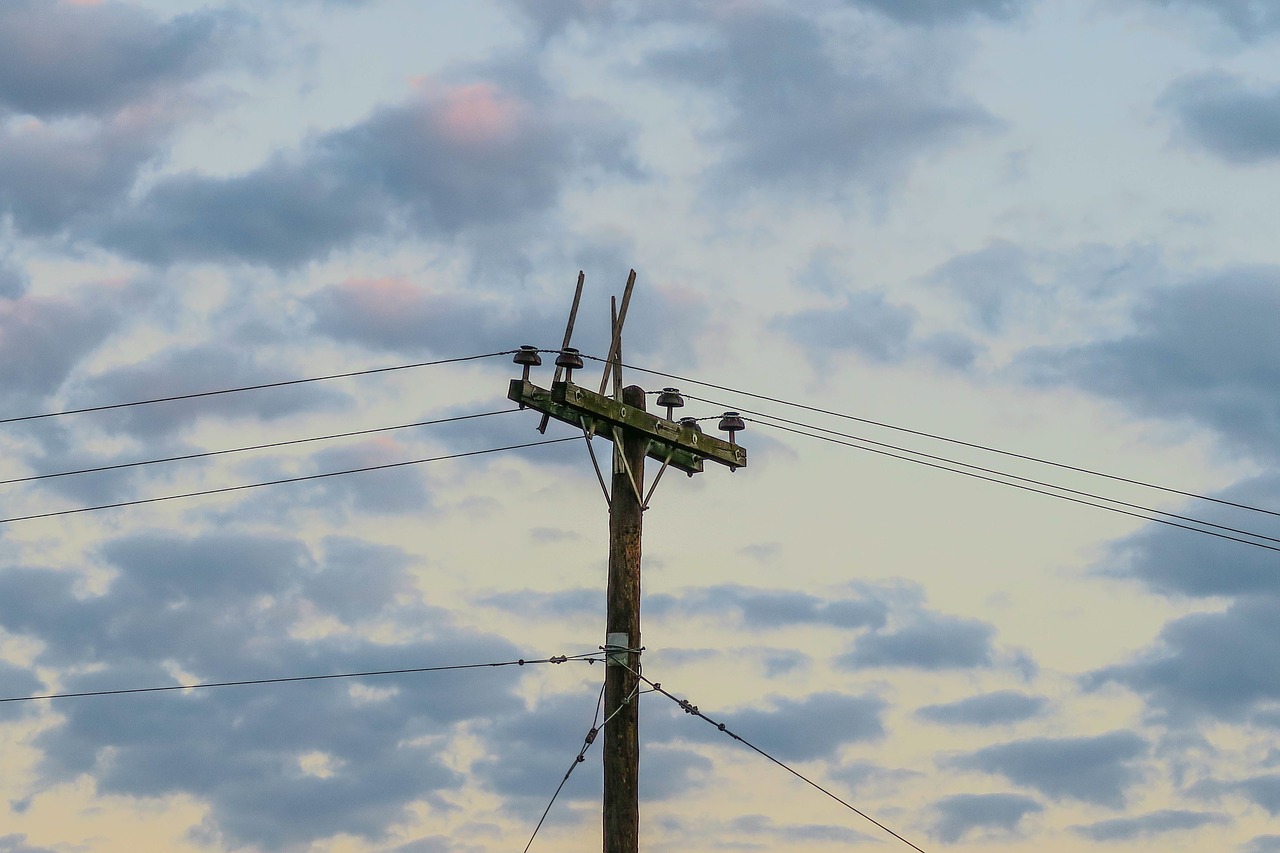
(474, 114)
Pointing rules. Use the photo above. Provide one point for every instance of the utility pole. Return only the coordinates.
(636, 435)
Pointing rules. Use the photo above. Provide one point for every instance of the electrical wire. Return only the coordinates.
(578, 759)
(977, 476)
(590, 657)
(691, 709)
(208, 453)
(244, 486)
(970, 466)
(937, 437)
(257, 387)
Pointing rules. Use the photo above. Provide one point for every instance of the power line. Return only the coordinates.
(945, 459)
(209, 453)
(956, 441)
(281, 482)
(1031, 489)
(692, 710)
(591, 657)
(258, 387)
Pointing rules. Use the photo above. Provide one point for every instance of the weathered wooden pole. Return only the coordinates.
(622, 734)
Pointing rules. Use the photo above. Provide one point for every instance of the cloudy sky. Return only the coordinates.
(1041, 226)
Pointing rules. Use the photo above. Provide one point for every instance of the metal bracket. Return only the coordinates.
(616, 648)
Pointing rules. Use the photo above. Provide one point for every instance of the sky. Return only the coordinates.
(1040, 226)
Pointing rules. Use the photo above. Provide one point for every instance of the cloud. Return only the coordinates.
(758, 826)
(1145, 826)
(398, 316)
(42, 339)
(13, 280)
(278, 765)
(1263, 844)
(809, 729)
(987, 709)
(63, 58)
(448, 159)
(961, 814)
(927, 12)
(1227, 117)
(17, 681)
(16, 843)
(560, 604)
(1200, 351)
(929, 642)
(865, 324)
(1173, 562)
(1217, 665)
(1250, 19)
(1262, 790)
(53, 175)
(773, 608)
(191, 369)
(799, 120)
(1097, 770)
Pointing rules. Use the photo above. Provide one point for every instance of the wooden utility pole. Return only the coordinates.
(622, 736)
(636, 435)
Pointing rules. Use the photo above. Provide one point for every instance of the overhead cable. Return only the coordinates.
(258, 387)
(590, 738)
(208, 453)
(590, 657)
(949, 440)
(245, 486)
(691, 709)
(997, 472)
(1026, 488)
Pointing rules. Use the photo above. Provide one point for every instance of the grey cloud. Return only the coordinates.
(16, 843)
(1097, 770)
(381, 492)
(560, 604)
(204, 367)
(1262, 844)
(42, 339)
(866, 324)
(987, 709)
(809, 729)
(860, 774)
(398, 316)
(987, 280)
(799, 120)
(17, 681)
(671, 771)
(1250, 19)
(1004, 283)
(961, 814)
(451, 158)
(930, 642)
(1201, 351)
(64, 58)
(1172, 562)
(1219, 665)
(758, 826)
(552, 17)
(762, 608)
(1262, 790)
(538, 746)
(1145, 826)
(1228, 117)
(13, 280)
(227, 607)
(778, 663)
(943, 11)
